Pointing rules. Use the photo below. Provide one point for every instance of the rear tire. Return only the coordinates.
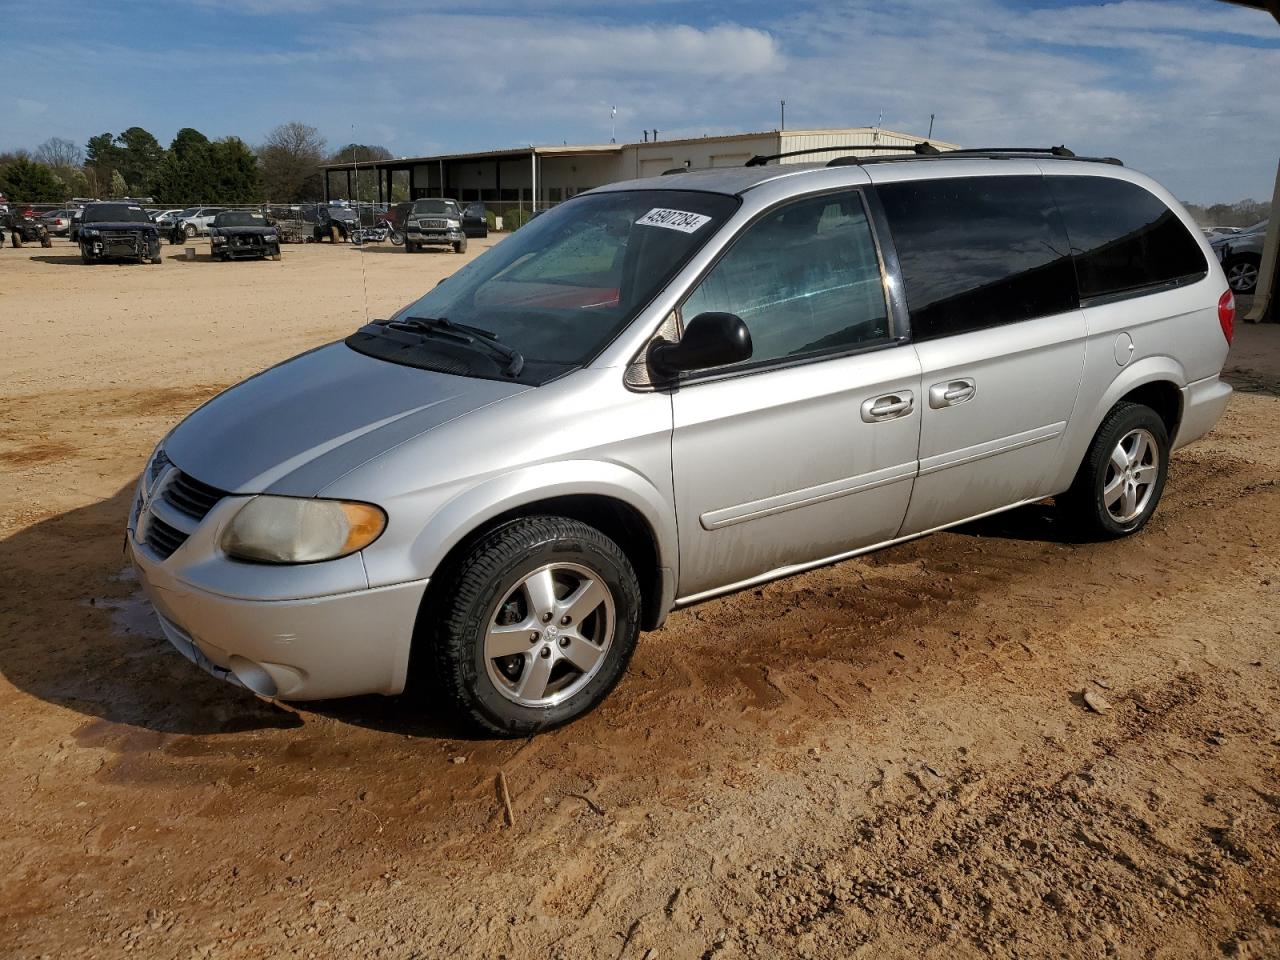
(1119, 484)
(561, 595)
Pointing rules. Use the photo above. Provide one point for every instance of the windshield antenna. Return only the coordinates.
(359, 228)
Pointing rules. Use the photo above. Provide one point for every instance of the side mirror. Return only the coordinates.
(710, 340)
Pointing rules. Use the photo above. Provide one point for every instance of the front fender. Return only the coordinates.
(479, 504)
(1086, 422)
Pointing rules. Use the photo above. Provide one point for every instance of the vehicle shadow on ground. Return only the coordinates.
(1036, 522)
(58, 260)
(76, 631)
(388, 248)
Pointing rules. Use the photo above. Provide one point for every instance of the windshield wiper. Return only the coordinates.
(462, 333)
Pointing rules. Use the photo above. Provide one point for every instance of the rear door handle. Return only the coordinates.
(889, 407)
(951, 393)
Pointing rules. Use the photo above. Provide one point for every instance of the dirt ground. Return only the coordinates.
(892, 757)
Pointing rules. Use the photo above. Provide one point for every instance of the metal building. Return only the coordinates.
(540, 176)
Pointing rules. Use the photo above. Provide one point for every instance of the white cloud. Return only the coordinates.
(1178, 88)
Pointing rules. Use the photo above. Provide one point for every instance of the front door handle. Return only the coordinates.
(889, 407)
(951, 393)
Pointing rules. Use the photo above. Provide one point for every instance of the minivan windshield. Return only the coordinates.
(115, 213)
(438, 207)
(564, 284)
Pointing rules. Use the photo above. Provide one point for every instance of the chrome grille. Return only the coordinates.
(162, 538)
(189, 497)
(433, 224)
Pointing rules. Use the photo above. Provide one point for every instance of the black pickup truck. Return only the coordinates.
(241, 233)
(110, 231)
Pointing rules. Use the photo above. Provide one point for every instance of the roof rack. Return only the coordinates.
(1009, 153)
(923, 149)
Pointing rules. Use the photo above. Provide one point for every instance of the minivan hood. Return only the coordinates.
(299, 426)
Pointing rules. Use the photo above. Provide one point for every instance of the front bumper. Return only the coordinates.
(121, 248)
(246, 250)
(308, 648)
(434, 236)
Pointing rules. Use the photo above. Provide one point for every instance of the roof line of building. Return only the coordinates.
(604, 149)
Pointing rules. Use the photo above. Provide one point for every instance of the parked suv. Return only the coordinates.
(1241, 256)
(669, 389)
(197, 221)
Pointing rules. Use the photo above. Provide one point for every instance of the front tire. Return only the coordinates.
(533, 626)
(460, 246)
(188, 231)
(1119, 484)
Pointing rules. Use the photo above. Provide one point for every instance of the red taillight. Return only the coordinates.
(1227, 314)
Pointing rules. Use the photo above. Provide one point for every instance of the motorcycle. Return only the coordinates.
(383, 229)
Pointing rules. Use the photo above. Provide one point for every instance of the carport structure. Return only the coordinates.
(535, 176)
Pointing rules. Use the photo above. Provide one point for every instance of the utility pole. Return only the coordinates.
(783, 125)
(929, 136)
(613, 124)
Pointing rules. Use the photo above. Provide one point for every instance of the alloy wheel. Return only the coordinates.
(548, 636)
(1242, 277)
(1131, 476)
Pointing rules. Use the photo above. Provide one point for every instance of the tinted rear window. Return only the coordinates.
(979, 252)
(1124, 237)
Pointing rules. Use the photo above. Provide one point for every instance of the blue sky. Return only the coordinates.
(1185, 90)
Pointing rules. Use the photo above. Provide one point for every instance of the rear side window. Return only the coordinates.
(979, 252)
(1124, 238)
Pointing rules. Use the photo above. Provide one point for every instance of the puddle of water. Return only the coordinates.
(131, 616)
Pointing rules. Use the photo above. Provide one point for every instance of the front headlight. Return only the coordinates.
(89, 231)
(218, 239)
(454, 224)
(295, 530)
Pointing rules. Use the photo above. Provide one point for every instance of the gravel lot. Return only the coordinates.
(892, 757)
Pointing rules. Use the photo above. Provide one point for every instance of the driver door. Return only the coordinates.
(808, 450)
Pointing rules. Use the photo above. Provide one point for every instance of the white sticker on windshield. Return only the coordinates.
(680, 220)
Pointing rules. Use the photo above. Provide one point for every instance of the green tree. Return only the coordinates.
(101, 151)
(101, 160)
(118, 186)
(24, 181)
(186, 176)
(198, 170)
(141, 158)
(236, 171)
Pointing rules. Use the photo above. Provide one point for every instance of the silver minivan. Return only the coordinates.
(668, 389)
